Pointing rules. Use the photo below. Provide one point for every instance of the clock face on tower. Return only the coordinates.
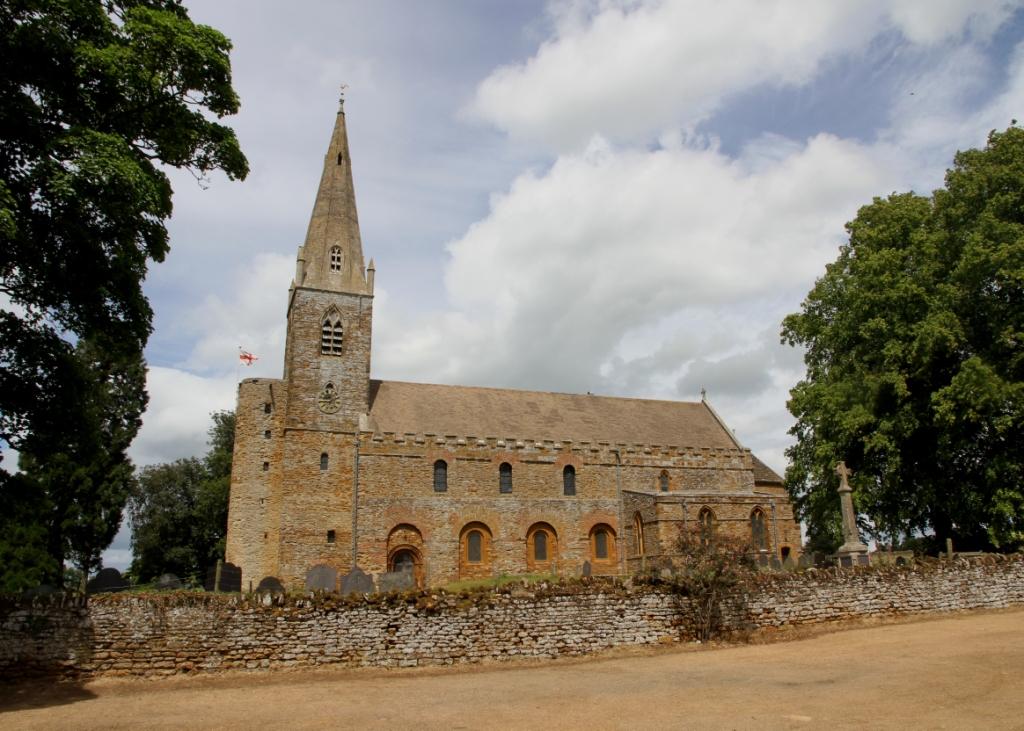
(329, 400)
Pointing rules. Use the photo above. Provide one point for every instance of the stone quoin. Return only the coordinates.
(334, 468)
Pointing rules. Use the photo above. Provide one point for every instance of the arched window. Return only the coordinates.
(758, 532)
(638, 535)
(602, 544)
(663, 481)
(336, 250)
(323, 461)
(569, 480)
(505, 478)
(706, 519)
(331, 334)
(474, 546)
(541, 547)
(474, 551)
(440, 476)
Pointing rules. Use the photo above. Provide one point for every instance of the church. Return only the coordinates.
(332, 467)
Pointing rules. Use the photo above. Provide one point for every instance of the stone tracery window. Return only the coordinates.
(335, 258)
(706, 520)
(331, 333)
(758, 531)
(638, 535)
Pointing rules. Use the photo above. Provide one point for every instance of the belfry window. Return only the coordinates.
(440, 476)
(663, 481)
(505, 478)
(569, 480)
(335, 258)
(331, 334)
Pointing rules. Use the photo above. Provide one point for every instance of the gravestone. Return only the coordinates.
(106, 580)
(356, 581)
(587, 570)
(270, 585)
(396, 581)
(900, 561)
(776, 564)
(168, 581)
(762, 561)
(322, 578)
(789, 564)
(230, 578)
(806, 560)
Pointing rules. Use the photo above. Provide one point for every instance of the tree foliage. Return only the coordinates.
(179, 510)
(914, 344)
(95, 97)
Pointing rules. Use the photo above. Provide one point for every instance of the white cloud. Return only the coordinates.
(178, 415)
(628, 69)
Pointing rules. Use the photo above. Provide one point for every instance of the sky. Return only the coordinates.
(615, 196)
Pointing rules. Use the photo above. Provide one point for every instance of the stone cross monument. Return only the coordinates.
(852, 552)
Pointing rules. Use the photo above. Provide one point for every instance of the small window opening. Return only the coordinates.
(340, 158)
(266, 407)
(601, 544)
(263, 501)
(569, 480)
(663, 481)
(266, 434)
(505, 478)
(330, 536)
(440, 476)
(324, 461)
(266, 466)
(335, 258)
(474, 547)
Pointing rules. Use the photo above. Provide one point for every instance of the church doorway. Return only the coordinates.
(407, 558)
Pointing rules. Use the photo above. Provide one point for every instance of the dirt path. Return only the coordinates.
(959, 672)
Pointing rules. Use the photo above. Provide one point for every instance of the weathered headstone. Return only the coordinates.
(776, 564)
(762, 560)
(168, 581)
(806, 560)
(106, 580)
(396, 581)
(852, 549)
(230, 578)
(322, 578)
(356, 581)
(270, 585)
(587, 570)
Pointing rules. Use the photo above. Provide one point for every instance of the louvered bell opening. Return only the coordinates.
(336, 339)
(325, 338)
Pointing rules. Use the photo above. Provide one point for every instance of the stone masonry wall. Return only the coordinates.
(134, 634)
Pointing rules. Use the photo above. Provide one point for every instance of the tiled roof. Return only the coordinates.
(764, 473)
(493, 412)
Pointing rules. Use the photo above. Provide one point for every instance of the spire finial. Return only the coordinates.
(341, 98)
(703, 394)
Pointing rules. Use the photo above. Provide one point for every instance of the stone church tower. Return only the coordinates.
(299, 485)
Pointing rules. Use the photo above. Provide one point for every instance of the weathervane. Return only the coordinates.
(341, 96)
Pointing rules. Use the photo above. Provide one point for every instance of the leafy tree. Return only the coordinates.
(95, 96)
(179, 510)
(915, 363)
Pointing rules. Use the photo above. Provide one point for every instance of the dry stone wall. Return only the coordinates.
(166, 634)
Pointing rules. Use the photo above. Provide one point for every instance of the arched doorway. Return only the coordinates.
(405, 551)
(407, 558)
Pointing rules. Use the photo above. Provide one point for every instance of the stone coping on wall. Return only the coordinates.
(184, 632)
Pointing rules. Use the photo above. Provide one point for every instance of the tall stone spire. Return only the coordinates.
(332, 256)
